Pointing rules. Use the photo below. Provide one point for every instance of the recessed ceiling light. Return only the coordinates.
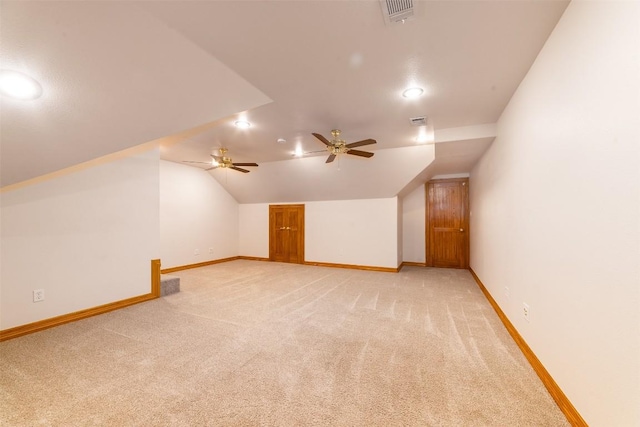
(242, 124)
(413, 92)
(282, 141)
(18, 85)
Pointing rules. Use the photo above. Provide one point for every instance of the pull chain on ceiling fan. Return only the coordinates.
(338, 146)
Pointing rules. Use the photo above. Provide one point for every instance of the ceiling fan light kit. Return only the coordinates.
(338, 146)
(224, 162)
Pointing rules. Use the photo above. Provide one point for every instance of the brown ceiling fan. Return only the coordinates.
(338, 146)
(222, 161)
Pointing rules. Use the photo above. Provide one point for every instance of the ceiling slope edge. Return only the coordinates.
(93, 70)
(471, 141)
(311, 179)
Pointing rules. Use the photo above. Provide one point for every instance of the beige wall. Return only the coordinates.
(196, 213)
(556, 210)
(86, 237)
(359, 232)
(413, 226)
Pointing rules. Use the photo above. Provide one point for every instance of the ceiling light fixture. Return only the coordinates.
(298, 152)
(413, 92)
(18, 85)
(422, 138)
(242, 124)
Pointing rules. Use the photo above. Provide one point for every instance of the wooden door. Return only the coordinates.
(286, 233)
(448, 223)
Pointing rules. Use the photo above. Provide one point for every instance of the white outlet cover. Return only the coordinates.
(38, 295)
(526, 312)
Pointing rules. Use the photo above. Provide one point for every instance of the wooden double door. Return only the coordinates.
(286, 233)
(448, 223)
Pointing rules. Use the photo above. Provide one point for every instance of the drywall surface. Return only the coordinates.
(356, 232)
(348, 178)
(413, 226)
(198, 218)
(399, 239)
(555, 210)
(87, 238)
(254, 230)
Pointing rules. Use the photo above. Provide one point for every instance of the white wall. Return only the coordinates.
(556, 210)
(358, 232)
(87, 238)
(254, 230)
(399, 236)
(196, 213)
(413, 226)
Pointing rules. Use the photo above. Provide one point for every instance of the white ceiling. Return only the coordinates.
(118, 74)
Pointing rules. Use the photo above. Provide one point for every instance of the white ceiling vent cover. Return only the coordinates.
(418, 121)
(396, 11)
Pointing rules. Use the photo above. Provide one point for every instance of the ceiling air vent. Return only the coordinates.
(396, 11)
(418, 121)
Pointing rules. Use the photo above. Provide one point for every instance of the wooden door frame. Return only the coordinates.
(301, 230)
(429, 261)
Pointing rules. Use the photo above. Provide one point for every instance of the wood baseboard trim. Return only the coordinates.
(573, 416)
(197, 265)
(253, 258)
(155, 278)
(354, 267)
(41, 325)
(413, 264)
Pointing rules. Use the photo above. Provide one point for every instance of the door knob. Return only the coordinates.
(462, 229)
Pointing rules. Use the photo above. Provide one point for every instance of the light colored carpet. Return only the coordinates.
(254, 343)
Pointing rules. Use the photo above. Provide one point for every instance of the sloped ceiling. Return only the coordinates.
(352, 178)
(118, 74)
(113, 76)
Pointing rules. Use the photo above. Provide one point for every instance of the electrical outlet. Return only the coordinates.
(525, 311)
(38, 295)
(196, 252)
(210, 251)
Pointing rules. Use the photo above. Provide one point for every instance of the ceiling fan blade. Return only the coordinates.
(239, 169)
(315, 152)
(331, 158)
(189, 161)
(361, 143)
(324, 140)
(244, 164)
(212, 168)
(360, 153)
(218, 158)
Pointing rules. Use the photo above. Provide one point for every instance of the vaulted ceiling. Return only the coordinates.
(119, 74)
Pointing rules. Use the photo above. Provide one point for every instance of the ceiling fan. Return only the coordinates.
(338, 146)
(222, 161)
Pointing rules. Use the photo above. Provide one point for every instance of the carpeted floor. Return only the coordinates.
(254, 343)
